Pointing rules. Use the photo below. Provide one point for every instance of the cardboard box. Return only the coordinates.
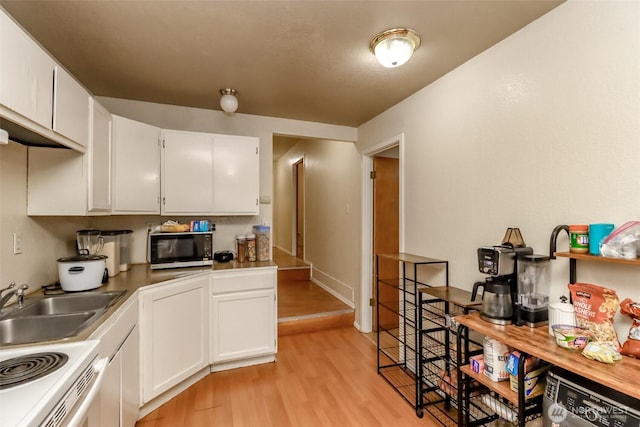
(535, 378)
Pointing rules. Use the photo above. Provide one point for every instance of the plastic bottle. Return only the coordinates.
(242, 248)
(251, 247)
(579, 236)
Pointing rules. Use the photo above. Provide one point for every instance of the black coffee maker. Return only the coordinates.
(500, 288)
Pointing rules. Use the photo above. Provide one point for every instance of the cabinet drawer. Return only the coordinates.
(243, 280)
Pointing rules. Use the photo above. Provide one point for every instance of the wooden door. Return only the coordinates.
(299, 183)
(386, 208)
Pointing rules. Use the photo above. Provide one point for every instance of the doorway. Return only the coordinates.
(298, 172)
(382, 220)
(385, 231)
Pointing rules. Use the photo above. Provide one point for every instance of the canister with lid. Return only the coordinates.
(262, 242)
(111, 248)
(241, 242)
(579, 237)
(251, 247)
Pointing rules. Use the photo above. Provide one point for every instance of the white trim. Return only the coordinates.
(366, 316)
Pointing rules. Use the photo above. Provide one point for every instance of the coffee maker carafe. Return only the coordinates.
(497, 302)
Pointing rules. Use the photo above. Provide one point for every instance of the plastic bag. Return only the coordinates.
(631, 347)
(623, 242)
(595, 308)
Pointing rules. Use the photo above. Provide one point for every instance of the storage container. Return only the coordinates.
(111, 249)
(241, 243)
(125, 249)
(579, 236)
(262, 242)
(251, 247)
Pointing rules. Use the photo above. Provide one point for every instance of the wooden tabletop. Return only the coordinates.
(453, 295)
(623, 375)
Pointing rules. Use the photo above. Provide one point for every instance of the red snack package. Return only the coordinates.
(631, 347)
(595, 308)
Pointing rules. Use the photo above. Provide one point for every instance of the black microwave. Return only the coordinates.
(188, 249)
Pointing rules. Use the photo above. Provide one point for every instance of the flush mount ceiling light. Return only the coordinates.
(228, 101)
(394, 47)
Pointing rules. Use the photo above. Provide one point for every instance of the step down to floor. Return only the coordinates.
(294, 273)
(315, 322)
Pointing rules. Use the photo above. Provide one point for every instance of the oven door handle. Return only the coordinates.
(79, 415)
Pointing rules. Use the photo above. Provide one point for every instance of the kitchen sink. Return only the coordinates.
(31, 329)
(68, 303)
(54, 317)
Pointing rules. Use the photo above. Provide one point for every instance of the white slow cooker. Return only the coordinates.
(82, 272)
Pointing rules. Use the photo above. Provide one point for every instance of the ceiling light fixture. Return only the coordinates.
(228, 101)
(394, 47)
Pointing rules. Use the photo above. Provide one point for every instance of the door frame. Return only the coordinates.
(296, 166)
(366, 273)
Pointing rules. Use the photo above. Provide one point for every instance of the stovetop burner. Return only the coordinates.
(23, 369)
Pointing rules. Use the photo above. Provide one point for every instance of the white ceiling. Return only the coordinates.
(305, 59)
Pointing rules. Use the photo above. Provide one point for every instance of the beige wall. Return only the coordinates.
(332, 212)
(541, 129)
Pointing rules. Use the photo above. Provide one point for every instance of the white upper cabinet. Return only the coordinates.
(26, 74)
(65, 182)
(99, 159)
(236, 175)
(136, 167)
(70, 107)
(187, 173)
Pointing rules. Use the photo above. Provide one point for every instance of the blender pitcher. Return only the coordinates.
(89, 242)
(532, 302)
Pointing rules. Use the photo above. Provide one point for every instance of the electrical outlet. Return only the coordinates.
(149, 226)
(17, 243)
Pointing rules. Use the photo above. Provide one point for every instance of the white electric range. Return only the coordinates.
(49, 385)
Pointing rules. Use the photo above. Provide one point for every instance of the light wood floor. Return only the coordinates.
(325, 378)
(299, 299)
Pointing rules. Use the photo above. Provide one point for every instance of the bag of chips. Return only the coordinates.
(595, 308)
(631, 346)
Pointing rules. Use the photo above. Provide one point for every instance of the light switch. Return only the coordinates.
(17, 243)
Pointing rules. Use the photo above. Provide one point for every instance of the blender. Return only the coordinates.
(88, 242)
(532, 302)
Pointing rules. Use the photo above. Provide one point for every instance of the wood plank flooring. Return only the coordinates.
(325, 378)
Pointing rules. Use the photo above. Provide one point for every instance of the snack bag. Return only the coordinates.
(631, 347)
(595, 308)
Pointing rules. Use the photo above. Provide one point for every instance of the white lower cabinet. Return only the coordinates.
(119, 393)
(174, 333)
(243, 315)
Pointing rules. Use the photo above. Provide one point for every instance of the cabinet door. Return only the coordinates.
(99, 159)
(187, 177)
(70, 107)
(174, 328)
(26, 74)
(136, 167)
(243, 325)
(236, 175)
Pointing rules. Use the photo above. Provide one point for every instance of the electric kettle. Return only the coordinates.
(497, 300)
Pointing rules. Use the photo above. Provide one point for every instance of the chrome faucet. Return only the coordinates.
(19, 294)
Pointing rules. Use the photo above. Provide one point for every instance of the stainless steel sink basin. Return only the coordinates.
(68, 303)
(54, 317)
(30, 329)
